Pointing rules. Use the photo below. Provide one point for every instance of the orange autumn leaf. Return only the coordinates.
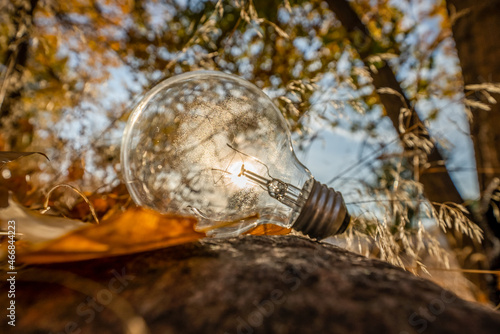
(269, 229)
(76, 170)
(136, 230)
(6, 157)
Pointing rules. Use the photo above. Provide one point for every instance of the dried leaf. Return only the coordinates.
(6, 157)
(135, 230)
(76, 170)
(36, 227)
(269, 229)
(4, 197)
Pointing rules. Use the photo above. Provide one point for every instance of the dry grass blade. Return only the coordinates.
(489, 87)
(85, 198)
(477, 104)
(277, 29)
(454, 216)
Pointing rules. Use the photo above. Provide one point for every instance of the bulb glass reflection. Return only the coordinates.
(213, 145)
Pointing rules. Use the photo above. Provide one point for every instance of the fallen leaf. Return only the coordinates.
(269, 229)
(4, 197)
(35, 227)
(135, 230)
(6, 157)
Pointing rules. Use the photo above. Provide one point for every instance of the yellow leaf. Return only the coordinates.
(269, 229)
(36, 228)
(135, 230)
(6, 157)
(115, 45)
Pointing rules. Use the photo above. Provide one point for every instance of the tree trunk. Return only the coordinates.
(267, 284)
(476, 32)
(477, 35)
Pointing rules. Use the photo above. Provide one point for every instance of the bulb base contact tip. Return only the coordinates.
(324, 213)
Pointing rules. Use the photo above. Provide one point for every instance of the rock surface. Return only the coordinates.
(266, 284)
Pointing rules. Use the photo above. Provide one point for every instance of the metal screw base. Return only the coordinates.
(324, 213)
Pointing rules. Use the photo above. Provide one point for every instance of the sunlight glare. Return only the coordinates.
(235, 177)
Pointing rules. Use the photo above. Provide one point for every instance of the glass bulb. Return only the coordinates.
(214, 145)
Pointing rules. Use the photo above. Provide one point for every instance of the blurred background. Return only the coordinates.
(71, 72)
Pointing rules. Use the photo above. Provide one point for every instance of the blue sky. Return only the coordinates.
(338, 148)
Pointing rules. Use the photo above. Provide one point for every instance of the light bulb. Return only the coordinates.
(213, 145)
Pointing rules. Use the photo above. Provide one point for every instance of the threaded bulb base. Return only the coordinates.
(324, 213)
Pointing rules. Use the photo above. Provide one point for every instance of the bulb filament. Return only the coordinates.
(276, 188)
(282, 191)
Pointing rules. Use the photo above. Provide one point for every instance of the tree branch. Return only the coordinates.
(438, 187)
